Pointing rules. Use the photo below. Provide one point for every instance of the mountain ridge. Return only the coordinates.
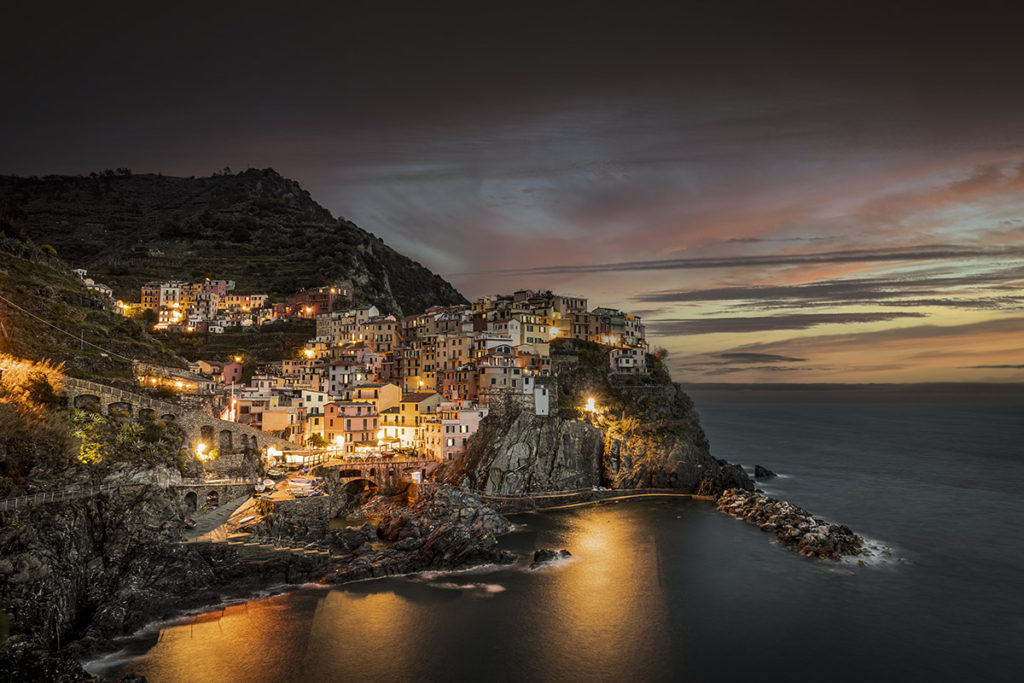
(255, 227)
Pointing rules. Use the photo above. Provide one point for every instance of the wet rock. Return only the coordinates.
(546, 556)
(763, 473)
(793, 526)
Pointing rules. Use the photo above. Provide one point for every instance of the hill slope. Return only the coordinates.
(256, 227)
(78, 329)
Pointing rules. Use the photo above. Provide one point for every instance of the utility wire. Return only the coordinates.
(73, 336)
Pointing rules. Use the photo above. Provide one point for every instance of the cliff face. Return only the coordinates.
(256, 227)
(524, 452)
(94, 563)
(646, 433)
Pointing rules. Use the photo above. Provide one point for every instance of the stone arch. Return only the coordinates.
(360, 486)
(224, 440)
(145, 414)
(87, 402)
(373, 473)
(120, 408)
(213, 498)
(168, 417)
(191, 502)
(206, 435)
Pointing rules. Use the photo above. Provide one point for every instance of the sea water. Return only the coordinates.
(664, 590)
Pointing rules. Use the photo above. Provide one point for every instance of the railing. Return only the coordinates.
(220, 481)
(70, 493)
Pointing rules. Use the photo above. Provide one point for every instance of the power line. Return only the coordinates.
(80, 339)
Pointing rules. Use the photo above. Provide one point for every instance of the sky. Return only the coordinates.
(786, 192)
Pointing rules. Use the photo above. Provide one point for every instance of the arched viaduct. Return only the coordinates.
(198, 427)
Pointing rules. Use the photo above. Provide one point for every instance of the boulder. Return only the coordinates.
(546, 556)
(763, 473)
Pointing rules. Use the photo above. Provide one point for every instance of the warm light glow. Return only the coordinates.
(309, 353)
(309, 310)
(238, 359)
(201, 451)
(179, 384)
(273, 452)
(590, 407)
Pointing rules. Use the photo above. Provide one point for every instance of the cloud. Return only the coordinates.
(790, 321)
(982, 350)
(927, 252)
(757, 358)
(992, 367)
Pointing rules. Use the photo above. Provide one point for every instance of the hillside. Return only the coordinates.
(82, 333)
(256, 227)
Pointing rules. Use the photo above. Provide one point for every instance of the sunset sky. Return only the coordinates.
(784, 195)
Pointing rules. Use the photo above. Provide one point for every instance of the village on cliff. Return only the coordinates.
(372, 385)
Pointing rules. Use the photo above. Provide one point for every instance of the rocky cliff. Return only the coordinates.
(645, 433)
(256, 227)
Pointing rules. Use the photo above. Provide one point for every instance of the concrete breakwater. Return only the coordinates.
(793, 526)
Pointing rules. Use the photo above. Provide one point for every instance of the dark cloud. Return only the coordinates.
(992, 367)
(757, 368)
(927, 252)
(736, 357)
(971, 291)
(791, 321)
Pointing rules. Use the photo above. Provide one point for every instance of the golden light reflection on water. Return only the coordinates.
(607, 601)
(603, 613)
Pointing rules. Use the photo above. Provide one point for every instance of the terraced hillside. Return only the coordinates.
(256, 227)
(47, 313)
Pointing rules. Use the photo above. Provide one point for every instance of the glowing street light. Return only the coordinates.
(201, 451)
(590, 407)
(309, 353)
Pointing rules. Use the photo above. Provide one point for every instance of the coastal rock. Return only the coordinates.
(793, 526)
(445, 528)
(546, 556)
(645, 434)
(763, 473)
(531, 453)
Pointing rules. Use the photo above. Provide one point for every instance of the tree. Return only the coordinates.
(317, 441)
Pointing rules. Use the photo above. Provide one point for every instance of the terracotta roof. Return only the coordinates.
(418, 396)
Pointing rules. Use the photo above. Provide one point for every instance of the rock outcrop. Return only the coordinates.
(793, 526)
(444, 529)
(645, 433)
(547, 556)
(763, 473)
(525, 452)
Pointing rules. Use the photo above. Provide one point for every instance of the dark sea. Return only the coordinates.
(676, 591)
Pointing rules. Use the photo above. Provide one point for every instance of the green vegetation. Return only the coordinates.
(267, 343)
(33, 428)
(39, 439)
(83, 333)
(257, 228)
(114, 439)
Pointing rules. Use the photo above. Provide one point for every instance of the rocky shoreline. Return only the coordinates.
(793, 526)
